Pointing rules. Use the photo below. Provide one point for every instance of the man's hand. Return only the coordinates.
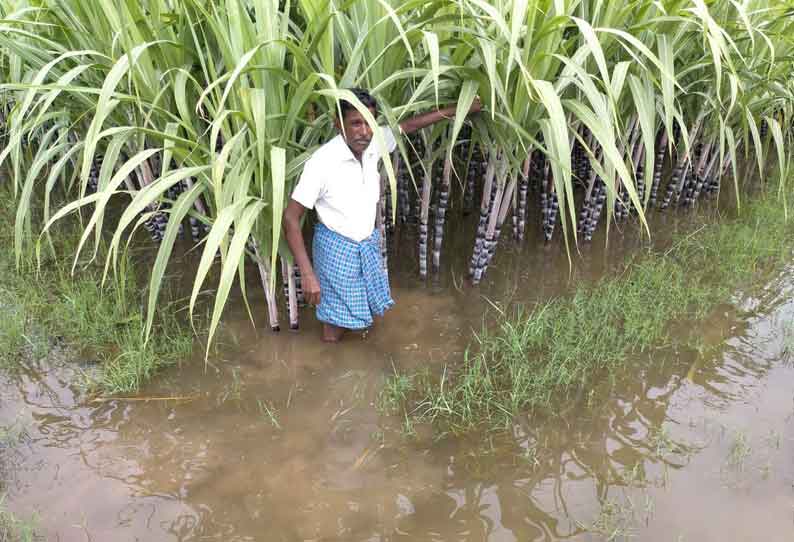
(311, 289)
(292, 230)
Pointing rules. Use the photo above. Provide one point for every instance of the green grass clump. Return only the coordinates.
(539, 357)
(42, 302)
(13, 529)
(12, 329)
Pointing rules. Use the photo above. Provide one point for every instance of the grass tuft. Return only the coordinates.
(42, 303)
(14, 529)
(538, 357)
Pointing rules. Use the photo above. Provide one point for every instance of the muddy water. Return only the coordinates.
(696, 445)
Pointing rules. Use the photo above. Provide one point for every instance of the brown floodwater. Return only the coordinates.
(695, 444)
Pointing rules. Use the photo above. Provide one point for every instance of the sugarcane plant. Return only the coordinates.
(178, 116)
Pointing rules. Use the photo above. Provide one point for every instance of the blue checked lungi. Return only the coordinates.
(353, 284)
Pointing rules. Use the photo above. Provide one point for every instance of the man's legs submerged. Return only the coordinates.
(332, 333)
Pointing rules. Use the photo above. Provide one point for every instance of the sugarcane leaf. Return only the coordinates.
(144, 199)
(223, 191)
(666, 57)
(178, 212)
(646, 112)
(212, 245)
(38, 79)
(431, 42)
(589, 35)
(557, 129)
(729, 136)
(106, 103)
(467, 94)
(602, 132)
(278, 165)
(241, 65)
(24, 202)
(55, 171)
(104, 197)
(242, 231)
(777, 137)
(297, 101)
(517, 17)
(168, 147)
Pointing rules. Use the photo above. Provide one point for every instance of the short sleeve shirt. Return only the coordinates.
(344, 191)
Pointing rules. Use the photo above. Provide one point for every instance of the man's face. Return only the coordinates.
(356, 131)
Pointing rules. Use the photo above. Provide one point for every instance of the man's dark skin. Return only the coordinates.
(357, 134)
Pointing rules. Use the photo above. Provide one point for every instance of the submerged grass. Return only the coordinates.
(14, 529)
(43, 303)
(541, 357)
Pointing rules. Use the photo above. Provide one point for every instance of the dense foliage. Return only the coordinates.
(205, 111)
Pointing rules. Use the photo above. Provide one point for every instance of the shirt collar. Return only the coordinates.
(345, 154)
(342, 150)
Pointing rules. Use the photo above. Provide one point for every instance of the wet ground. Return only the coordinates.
(279, 439)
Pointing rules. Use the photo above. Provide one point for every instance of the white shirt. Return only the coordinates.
(344, 191)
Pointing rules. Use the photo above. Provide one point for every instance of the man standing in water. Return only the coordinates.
(341, 181)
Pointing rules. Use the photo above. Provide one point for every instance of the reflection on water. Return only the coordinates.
(282, 441)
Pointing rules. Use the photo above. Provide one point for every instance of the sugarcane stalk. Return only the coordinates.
(441, 212)
(424, 214)
(196, 226)
(661, 149)
(473, 169)
(143, 176)
(507, 200)
(548, 203)
(639, 169)
(683, 196)
(403, 198)
(270, 293)
(699, 171)
(710, 178)
(172, 194)
(380, 221)
(523, 189)
(594, 185)
(680, 171)
(622, 202)
(290, 293)
(93, 176)
(490, 232)
(599, 200)
(485, 205)
(389, 210)
(296, 272)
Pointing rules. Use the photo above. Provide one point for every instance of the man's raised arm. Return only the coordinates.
(426, 119)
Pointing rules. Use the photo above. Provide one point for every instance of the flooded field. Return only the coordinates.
(281, 438)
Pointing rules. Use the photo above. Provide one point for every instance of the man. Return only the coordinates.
(341, 181)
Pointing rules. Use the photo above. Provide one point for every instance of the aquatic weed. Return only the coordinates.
(14, 529)
(539, 357)
(268, 413)
(42, 301)
(615, 521)
(739, 451)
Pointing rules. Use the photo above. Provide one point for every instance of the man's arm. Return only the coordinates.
(426, 119)
(292, 231)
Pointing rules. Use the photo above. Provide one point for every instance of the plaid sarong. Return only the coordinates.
(353, 284)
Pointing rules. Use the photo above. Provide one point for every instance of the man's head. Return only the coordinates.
(353, 125)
